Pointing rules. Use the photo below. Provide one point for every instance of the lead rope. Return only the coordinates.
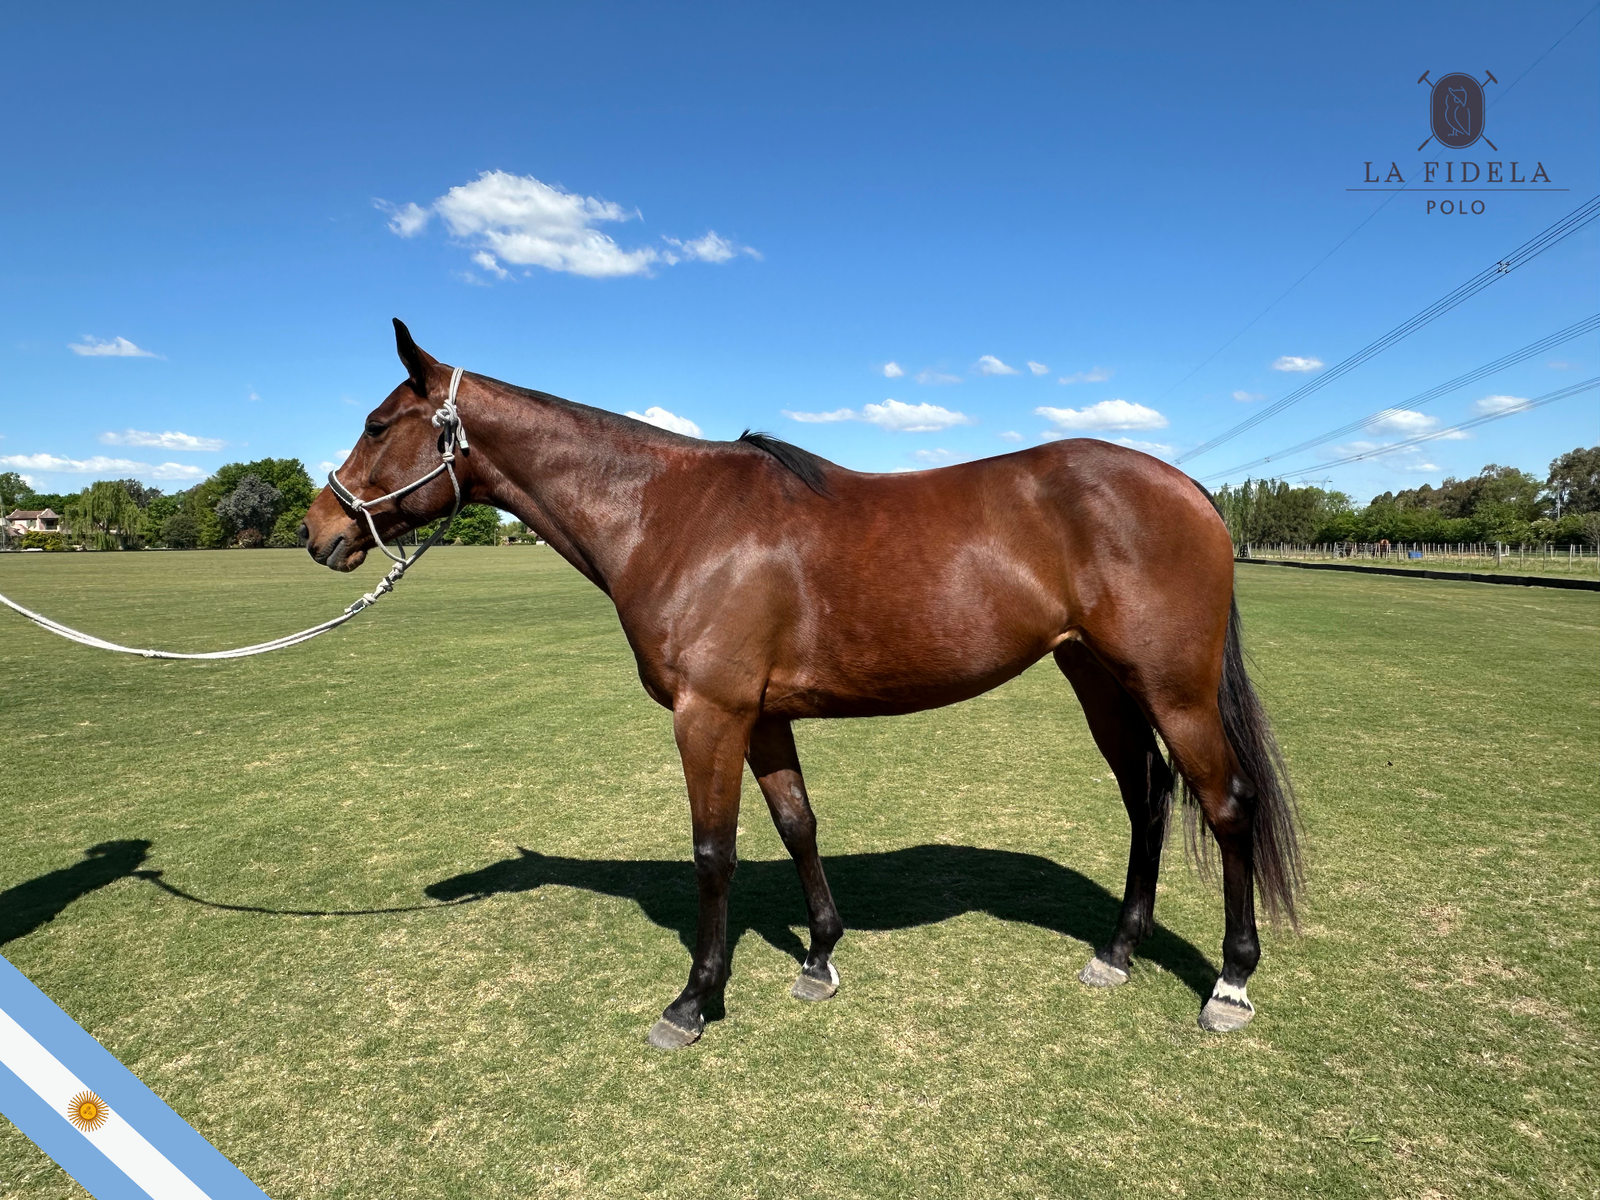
(448, 421)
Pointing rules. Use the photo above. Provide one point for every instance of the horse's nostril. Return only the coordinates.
(303, 533)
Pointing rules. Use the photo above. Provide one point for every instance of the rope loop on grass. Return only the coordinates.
(447, 419)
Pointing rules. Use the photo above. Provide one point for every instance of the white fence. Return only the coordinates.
(1544, 559)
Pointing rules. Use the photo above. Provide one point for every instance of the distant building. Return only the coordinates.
(24, 520)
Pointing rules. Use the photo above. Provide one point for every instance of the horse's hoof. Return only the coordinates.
(664, 1035)
(809, 987)
(1098, 973)
(1228, 1009)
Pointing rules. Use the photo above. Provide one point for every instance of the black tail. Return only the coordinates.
(1277, 844)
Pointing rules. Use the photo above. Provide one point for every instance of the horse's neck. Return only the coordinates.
(573, 475)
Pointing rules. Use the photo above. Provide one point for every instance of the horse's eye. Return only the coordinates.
(375, 429)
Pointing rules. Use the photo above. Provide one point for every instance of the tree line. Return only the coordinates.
(243, 505)
(1498, 504)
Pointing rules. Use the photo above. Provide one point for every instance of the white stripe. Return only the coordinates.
(1229, 991)
(116, 1139)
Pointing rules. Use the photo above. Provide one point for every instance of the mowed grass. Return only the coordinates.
(1432, 1033)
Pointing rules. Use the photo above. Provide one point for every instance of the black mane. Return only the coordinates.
(803, 464)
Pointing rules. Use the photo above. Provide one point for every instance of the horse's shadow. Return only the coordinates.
(894, 889)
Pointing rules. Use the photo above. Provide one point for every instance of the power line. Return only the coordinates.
(1506, 91)
(1525, 253)
(1525, 406)
(1587, 325)
(1251, 322)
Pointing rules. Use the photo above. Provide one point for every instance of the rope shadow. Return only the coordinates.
(40, 900)
(894, 889)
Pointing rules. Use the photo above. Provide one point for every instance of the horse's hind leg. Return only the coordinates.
(1200, 749)
(1124, 737)
(776, 766)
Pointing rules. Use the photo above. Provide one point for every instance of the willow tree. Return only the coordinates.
(104, 516)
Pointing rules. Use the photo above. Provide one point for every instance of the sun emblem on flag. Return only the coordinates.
(88, 1112)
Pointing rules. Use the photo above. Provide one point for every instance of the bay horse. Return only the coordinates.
(759, 584)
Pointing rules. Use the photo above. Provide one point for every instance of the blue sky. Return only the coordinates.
(732, 214)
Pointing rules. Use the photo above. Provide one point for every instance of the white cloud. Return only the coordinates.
(1096, 375)
(824, 418)
(1010, 435)
(1557, 364)
(1249, 397)
(713, 248)
(119, 347)
(932, 457)
(1038, 368)
(1108, 414)
(1367, 449)
(524, 222)
(990, 365)
(252, 395)
(1498, 404)
(170, 440)
(486, 260)
(1293, 362)
(912, 418)
(892, 370)
(73, 466)
(929, 377)
(1147, 447)
(407, 220)
(662, 419)
(893, 415)
(177, 471)
(1403, 420)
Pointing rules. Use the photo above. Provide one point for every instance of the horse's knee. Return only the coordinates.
(714, 861)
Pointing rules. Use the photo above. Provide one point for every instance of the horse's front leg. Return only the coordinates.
(712, 743)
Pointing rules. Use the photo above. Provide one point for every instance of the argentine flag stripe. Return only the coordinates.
(141, 1148)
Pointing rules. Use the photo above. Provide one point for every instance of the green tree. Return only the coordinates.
(13, 490)
(105, 516)
(477, 525)
(251, 506)
(138, 492)
(180, 531)
(286, 530)
(1574, 482)
(155, 517)
(39, 539)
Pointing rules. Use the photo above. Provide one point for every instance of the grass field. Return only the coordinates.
(1433, 1033)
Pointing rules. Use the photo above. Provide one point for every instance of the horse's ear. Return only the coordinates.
(416, 359)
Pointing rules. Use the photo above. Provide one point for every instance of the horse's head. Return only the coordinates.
(399, 445)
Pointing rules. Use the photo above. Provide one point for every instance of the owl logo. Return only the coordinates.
(1456, 109)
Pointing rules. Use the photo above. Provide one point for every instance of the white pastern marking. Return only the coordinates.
(833, 973)
(1228, 991)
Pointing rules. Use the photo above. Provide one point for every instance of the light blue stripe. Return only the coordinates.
(121, 1089)
(54, 1134)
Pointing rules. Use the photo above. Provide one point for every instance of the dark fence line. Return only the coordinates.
(1550, 581)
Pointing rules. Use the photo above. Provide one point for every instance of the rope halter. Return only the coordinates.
(453, 436)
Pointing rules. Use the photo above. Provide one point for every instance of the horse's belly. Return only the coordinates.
(881, 671)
